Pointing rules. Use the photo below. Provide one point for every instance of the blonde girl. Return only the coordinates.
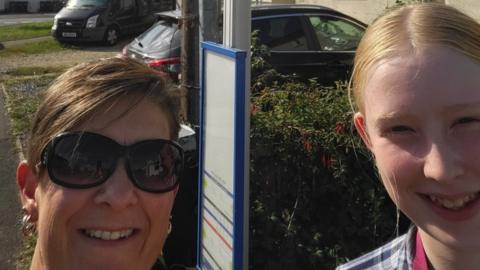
(416, 85)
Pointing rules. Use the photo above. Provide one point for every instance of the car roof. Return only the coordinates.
(265, 9)
(276, 6)
(280, 9)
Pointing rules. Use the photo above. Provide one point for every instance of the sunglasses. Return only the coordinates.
(84, 159)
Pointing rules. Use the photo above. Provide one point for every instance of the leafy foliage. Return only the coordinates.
(315, 198)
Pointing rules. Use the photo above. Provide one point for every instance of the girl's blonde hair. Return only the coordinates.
(408, 29)
(92, 88)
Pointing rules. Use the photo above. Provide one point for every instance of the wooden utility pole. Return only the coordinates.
(190, 59)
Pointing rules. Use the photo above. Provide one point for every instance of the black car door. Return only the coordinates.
(125, 14)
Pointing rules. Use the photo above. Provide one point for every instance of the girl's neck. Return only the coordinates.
(37, 259)
(443, 257)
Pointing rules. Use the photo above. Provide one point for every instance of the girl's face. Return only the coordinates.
(422, 123)
(79, 228)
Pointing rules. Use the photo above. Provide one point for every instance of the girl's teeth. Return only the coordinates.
(454, 204)
(108, 235)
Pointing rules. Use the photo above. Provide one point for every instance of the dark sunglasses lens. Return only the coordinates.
(82, 160)
(155, 165)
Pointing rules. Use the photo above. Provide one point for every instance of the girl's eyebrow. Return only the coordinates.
(391, 116)
(463, 107)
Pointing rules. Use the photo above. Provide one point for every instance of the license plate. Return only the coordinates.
(69, 34)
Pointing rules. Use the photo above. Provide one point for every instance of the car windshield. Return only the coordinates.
(86, 3)
(162, 36)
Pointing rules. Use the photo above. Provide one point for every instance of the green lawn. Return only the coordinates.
(24, 31)
(45, 46)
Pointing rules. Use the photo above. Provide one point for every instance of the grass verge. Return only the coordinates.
(24, 256)
(25, 31)
(45, 46)
(23, 98)
(23, 88)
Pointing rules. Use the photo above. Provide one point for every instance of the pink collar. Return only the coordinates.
(419, 260)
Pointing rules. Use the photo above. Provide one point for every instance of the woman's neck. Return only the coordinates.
(443, 257)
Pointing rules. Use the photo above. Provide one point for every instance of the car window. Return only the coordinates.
(86, 3)
(160, 36)
(281, 34)
(336, 34)
(127, 4)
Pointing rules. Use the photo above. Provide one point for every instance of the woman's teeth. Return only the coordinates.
(108, 235)
(453, 204)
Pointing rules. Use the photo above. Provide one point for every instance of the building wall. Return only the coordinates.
(363, 10)
(367, 10)
(470, 7)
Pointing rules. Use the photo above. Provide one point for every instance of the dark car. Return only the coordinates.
(101, 20)
(310, 41)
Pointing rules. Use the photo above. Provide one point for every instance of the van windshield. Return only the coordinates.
(86, 3)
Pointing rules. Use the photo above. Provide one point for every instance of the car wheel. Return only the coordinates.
(111, 36)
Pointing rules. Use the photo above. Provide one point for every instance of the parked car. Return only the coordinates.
(101, 20)
(308, 40)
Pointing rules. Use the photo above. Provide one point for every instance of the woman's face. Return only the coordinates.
(422, 123)
(115, 208)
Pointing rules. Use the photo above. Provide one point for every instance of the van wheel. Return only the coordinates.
(111, 36)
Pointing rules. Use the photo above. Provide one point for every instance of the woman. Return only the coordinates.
(416, 85)
(102, 168)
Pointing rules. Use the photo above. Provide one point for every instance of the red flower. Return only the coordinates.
(326, 161)
(307, 145)
(253, 109)
(339, 128)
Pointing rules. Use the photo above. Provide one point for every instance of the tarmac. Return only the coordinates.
(10, 210)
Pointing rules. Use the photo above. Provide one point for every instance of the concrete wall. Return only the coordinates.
(363, 10)
(470, 7)
(367, 10)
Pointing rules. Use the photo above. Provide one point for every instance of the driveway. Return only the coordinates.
(9, 200)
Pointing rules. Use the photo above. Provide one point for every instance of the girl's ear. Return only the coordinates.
(27, 182)
(360, 125)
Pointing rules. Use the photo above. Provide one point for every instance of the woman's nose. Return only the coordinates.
(442, 163)
(118, 191)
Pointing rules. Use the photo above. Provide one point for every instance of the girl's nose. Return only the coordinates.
(442, 163)
(118, 191)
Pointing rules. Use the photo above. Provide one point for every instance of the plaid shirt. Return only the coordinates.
(395, 255)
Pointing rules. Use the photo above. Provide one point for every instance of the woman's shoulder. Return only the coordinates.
(396, 254)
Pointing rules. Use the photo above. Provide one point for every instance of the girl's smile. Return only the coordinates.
(454, 208)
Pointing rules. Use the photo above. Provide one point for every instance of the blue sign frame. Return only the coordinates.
(240, 166)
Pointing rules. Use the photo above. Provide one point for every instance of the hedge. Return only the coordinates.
(315, 198)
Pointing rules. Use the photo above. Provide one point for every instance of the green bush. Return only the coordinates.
(315, 198)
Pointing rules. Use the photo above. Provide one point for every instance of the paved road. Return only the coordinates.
(9, 202)
(7, 19)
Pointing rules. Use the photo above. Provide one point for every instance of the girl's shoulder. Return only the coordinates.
(395, 255)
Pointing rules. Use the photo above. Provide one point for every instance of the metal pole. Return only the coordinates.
(236, 34)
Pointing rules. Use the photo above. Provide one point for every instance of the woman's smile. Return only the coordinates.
(108, 235)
